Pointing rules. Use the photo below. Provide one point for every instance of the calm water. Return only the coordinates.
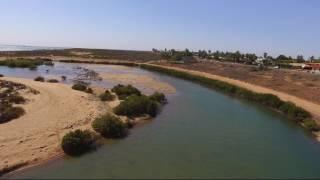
(200, 134)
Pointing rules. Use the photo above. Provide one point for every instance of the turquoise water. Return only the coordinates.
(201, 133)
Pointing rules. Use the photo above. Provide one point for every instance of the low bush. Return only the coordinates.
(311, 125)
(158, 97)
(106, 96)
(89, 90)
(79, 87)
(1, 75)
(39, 78)
(63, 78)
(125, 91)
(77, 142)
(110, 126)
(134, 106)
(52, 81)
(8, 113)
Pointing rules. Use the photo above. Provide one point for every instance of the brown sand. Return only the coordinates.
(36, 136)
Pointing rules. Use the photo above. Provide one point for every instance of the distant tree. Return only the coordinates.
(282, 57)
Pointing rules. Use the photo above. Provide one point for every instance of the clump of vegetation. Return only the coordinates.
(293, 112)
(110, 126)
(9, 96)
(22, 63)
(82, 86)
(158, 97)
(89, 90)
(79, 87)
(135, 106)
(39, 78)
(63, 78)
(52, 81)
(311, 125)
(125, 91)
(1, 75)
(7, 113)
(106, 96)
(77, 142)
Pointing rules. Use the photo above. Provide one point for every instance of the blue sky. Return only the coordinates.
(277, 26)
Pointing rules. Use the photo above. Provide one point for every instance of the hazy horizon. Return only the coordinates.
(278, 27)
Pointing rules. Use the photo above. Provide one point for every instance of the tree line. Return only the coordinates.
(248, 58)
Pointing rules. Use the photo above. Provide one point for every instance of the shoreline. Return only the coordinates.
(311, 107)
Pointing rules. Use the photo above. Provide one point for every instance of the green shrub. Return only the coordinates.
(110, 126)
(106, 96)
(311, 125)
(89, 90)
(77, 142)
(8, 113)
(79, 87)
(158, 97)
(1, 75)
(39, 78)
(52, 81)
(134, 106)
(125, 91)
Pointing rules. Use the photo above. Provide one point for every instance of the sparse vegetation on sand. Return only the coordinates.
(110, 126)
(107, 96)
(77, 142)
(52, 81)
(39, 78)
(123, 91)
(135, 106)
(9, 96)
(293, 112)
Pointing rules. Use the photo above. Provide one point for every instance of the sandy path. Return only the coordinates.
(36, 136)
(313, 108)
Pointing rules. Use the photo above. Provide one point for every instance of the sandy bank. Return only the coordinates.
(313, 108)
(142, 81)
(36, 136)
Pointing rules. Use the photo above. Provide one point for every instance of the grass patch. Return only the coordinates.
(110, 126)
(159, 97)
(293, 112)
